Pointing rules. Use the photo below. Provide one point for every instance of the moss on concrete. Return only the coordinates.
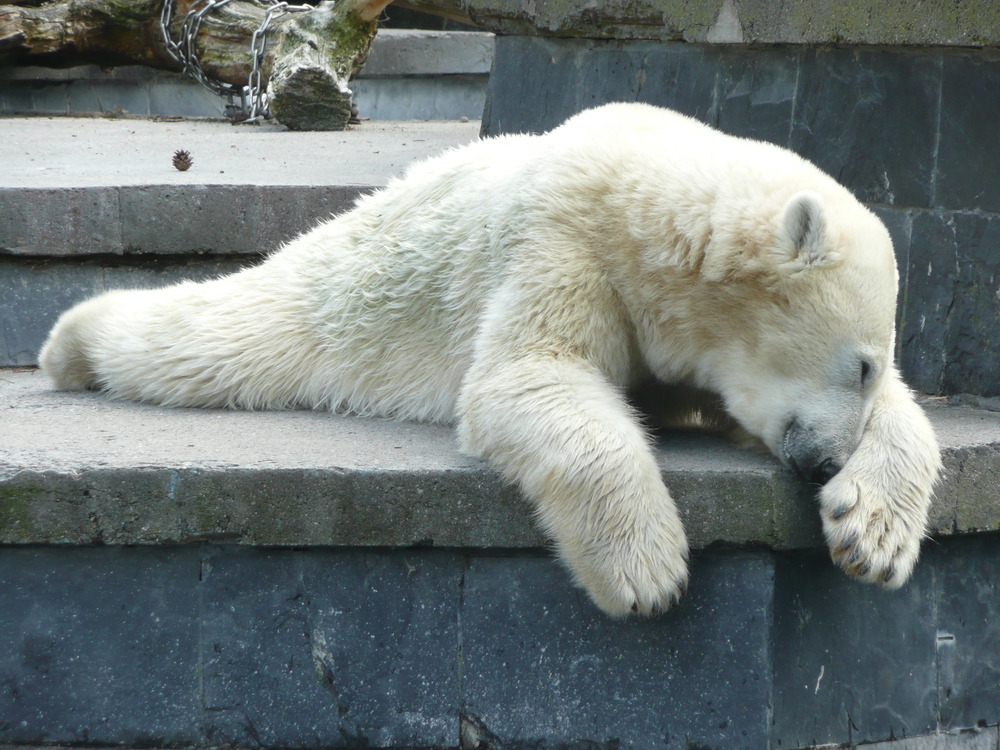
(974, 23)
(16, 517)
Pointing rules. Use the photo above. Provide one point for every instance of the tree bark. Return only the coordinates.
(308, 61)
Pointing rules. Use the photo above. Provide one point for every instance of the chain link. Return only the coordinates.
(253, 105)
(259, 104)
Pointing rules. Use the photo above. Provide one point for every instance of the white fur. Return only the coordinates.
(520, 284)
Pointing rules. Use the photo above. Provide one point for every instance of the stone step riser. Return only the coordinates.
(212, 645)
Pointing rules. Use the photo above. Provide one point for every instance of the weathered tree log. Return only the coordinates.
(309, 58)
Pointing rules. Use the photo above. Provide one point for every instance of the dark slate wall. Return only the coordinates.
(914, 133)
(215, 645)
(35, 291)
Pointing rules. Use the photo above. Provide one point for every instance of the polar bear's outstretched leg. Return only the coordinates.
(243, 340)
(67, 355)
(566, 436)
(875, 509)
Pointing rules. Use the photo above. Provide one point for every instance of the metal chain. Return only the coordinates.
(259, 103)
(184, 52)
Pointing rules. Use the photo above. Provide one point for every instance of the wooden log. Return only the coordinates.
(315, 56)
(309, 57)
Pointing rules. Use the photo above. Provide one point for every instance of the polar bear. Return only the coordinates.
(521, 285)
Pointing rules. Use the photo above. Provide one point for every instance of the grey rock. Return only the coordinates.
(331, 648)
(853, 22)
(79, 468)
(99, 646)
(969, 150)
(852, 663)
(542, 667)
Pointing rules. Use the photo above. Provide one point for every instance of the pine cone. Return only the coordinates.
(183, 160)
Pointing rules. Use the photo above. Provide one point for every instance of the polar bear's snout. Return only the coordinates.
(805, 454)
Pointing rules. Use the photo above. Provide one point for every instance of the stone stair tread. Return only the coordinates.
(82, 468)
(74, 152)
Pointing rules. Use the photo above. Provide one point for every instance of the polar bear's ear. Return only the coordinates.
(802, 242)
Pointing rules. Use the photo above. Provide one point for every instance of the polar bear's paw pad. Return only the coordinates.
(871, 537)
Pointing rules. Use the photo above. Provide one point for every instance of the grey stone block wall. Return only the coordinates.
(65, 245)
(450, 97)
(214, 645)
(911, 131)
(34, 292)
(100, 647)
(127, 89)
(542, 668)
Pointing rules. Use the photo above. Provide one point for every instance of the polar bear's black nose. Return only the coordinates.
(807, 456)
(826, 471)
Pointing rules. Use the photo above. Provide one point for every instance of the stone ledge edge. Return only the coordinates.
(445, 508)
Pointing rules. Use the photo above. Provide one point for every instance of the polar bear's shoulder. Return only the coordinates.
(666, 135)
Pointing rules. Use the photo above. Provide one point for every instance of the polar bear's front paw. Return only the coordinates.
(624, 577)
(874, 534)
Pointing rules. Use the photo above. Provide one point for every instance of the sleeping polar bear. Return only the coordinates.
(518, 286)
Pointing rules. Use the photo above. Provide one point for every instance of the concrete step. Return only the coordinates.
(90, 204)
(305, 478)
(196, 577)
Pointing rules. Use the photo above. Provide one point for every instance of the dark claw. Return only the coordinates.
(855, 555)
(635, 606)
(865, 569)
(849, 542)
(889, 573)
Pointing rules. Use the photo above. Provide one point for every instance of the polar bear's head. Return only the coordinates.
(817, 340)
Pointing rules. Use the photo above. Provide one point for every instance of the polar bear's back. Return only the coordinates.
(397, 286)
(372, 312)
(377, 311)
